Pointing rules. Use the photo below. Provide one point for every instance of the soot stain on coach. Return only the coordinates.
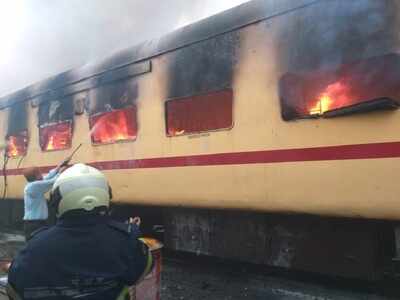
(346, 32)
(203, 67)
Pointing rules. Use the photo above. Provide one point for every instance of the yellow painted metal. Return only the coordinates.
(353, 188)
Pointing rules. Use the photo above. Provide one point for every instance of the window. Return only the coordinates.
(55, 124)
(17, 145)
(112, 112)
(56, 136)
(212, 111)
(114, 126)
(17, 132)
(363, 86)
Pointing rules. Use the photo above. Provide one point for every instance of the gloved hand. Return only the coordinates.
(136, 220)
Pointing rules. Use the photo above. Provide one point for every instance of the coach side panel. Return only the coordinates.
(261, 162)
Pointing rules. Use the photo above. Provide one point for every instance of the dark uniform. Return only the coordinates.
(91, 258)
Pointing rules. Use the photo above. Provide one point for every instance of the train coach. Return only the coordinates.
(268, 134)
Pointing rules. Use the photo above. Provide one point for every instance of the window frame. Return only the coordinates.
(56, 123)
(68, 99)
(118, 141)
(182, 98)
(26, 148)
(15, 131)
(363, 88)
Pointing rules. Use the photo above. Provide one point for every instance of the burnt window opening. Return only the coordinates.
(56, 124)
(17, 132)
(203, 67)
(17, 144)
(353, 88)
(113, 112)
(200, 113)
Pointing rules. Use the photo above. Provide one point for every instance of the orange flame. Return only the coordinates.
(335, 95)
(58, 141)
(322, 105)
(178, 132)
(114, 126)
(12, 149)
(50, 144)
(17, 144)
(56, 136)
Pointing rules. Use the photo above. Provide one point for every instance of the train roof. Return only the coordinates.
(136, 60)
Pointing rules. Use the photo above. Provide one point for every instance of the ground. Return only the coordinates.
(224, 282)
(189, 278)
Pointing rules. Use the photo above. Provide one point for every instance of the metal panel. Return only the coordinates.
(125, 72)
(397, 239)
(79, 86)
(340, 247)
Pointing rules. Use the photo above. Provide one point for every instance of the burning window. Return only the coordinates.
(199, 113)
(17, 133)
(112, 112)
(55, 136)
(55, 124)
(114, 126)
(17, 145)
(363, 86)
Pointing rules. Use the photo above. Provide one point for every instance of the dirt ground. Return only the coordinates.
(199, 282)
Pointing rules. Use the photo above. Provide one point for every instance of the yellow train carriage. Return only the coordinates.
(271, 107)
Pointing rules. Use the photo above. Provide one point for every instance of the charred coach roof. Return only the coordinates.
(135, 60)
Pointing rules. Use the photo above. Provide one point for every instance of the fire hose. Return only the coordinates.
(4, 169)
(68, 159)
(75, 150)
(5, 162)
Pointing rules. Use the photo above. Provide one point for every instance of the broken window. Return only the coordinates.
(195, 114)
(17, 132)
(112, 112)
(371, 84)
(17, 145)
(55, 124)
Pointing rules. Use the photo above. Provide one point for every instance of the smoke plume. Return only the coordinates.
(40, 38)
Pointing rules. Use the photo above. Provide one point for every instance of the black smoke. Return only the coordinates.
(64, 34)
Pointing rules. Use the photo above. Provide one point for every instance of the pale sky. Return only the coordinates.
(40, 38)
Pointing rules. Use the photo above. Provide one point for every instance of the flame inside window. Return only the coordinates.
(335, 95)
(55, 136)
(314, 93)
(17, 144)
(114, 126)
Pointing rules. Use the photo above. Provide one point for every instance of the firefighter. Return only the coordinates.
(36, 211)
(85, 255)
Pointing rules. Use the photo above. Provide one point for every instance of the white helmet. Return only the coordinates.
(80, 187)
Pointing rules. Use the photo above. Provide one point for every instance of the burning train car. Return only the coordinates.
(268, 133)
